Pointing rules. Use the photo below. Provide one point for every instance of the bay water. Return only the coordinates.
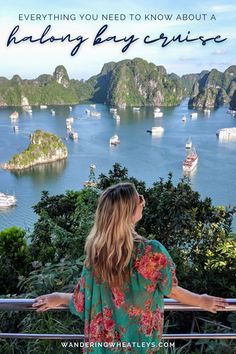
(147, 157)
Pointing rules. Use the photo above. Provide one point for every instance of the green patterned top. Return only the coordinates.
(128, 319)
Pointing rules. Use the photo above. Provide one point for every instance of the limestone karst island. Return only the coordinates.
(43, 148)
(125, 83)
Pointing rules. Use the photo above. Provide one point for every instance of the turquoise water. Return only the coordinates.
(146, 157)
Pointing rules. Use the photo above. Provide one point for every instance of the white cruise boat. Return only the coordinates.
(136, 109)
(114, 140)
(87, 111)
(194, 115)
(93, 106)
(70, 120)
(156, 130)
(156, 110)
(70, 108)
(184, 118)
(28, 109)
(7, 200)
(207, 111)
(53, 112)
(113, 110)
(158, 114)
(43, 106)
(116, 116)
(68, 126)
(226, 133)
(189, 143)
(14, 115)
(191, 161)
(95, 114)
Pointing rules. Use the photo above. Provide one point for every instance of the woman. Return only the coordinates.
(120, 293)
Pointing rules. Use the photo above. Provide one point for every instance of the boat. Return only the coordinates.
(70, 108)
(156, 110)
(87, 111)
(226, 133)
(114, 140)
(70, 120)
(184, 118)
(14, 115)
(73, 135)
(95, 114)
(7, 200)
(116, 116)
(43, 106)
(193, 115)
(207, 111)
(189, 143)
(92, 179)
(158, 114)
(28, 109)
(53, 112)
(113, 110)
(231, 111)
(93, 106)
(16, 128)
(68, 126)
(191, 161)
(136, 109)
(156, 130)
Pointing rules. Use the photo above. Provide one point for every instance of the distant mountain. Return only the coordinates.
(213, 89)
(46, 89)
(233, 101)
(125, 83)
(188, 81)
(136, 83)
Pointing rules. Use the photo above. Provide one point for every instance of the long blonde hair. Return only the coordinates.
(110, 243)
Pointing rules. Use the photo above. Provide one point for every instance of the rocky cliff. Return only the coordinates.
(136, 83)
(125, 83)
(43, 148)
(53, 89)
(213, 89)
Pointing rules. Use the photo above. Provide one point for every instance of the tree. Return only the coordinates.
(64, 223)
(14, 258)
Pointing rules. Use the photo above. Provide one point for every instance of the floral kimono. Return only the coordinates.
(128, 319)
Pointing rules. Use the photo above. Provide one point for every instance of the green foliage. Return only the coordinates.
(64, 222)
(137, 82)
(196, 233)
(31, 322)
(14, 258)
(62, 276)
(117, 175)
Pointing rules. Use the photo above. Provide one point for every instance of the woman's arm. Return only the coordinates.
(209, 303)
(46, 302)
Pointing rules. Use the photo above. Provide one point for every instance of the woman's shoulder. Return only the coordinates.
(152, 246)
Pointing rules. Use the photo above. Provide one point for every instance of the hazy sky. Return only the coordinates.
(32, 59)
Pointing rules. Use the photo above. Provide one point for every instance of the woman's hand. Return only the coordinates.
(49, 301)
(212, 303)
(206, 302)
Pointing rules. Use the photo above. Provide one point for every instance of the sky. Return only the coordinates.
(29, 60)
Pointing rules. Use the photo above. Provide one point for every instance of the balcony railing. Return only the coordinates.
(169, 305)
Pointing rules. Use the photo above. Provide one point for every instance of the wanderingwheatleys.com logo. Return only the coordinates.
(130, 345)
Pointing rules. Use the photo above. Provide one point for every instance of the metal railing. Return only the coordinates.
(169, 305)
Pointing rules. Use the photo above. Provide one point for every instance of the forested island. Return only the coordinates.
(125, 83)
(44, 147)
